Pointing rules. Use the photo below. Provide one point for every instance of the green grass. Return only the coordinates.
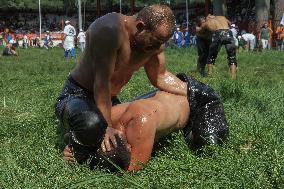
(253, 158)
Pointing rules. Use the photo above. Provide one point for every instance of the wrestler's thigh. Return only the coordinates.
(80, 110)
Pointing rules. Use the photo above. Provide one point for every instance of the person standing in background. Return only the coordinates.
(178, 37)
(47, 40)
(68, 44)
(25, 41)
(235, 34)
(82, 39)
(280, 38)
(264, 36)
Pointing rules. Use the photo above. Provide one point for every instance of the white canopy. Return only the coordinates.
(282, 20)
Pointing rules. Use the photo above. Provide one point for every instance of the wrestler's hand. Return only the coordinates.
(110, 138)
(68, 154)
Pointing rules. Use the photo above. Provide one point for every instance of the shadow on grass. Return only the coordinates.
(60, 131)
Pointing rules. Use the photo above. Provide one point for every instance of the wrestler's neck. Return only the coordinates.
(130, 26)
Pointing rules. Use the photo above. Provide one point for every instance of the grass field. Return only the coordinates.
(253, 158)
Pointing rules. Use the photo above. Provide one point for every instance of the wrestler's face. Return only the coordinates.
(146, 40)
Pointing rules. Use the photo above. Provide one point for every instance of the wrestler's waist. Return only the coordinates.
(222, 31)
(72, 80)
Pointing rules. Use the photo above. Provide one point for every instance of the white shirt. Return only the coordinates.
(70, 32)
(25, 39)
(248, 37)
(235, 32)
(82, 37)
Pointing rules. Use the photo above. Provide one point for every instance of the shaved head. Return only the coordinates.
(157, 15)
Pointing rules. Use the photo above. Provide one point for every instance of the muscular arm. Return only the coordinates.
(103, 46)
(161, 78)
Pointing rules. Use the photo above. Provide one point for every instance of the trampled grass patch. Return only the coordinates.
(30, 156)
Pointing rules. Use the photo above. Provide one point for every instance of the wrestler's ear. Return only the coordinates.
(140, 25)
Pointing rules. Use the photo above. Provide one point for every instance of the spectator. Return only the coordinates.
(69, 34)
(187, 36)
(10, 50)
(37, 42)
(280, 37)
(235, 34)
(178, 37)
(1, 39)
(47, 40)
(264, 36)
(10, 39)
(193, 40)
(82, 39)
(249, 38)
(25, 41)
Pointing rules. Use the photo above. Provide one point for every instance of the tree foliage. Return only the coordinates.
(262, 12)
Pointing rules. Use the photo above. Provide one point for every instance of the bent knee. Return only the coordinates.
(89, 127)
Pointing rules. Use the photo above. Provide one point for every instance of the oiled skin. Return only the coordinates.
(145, 121)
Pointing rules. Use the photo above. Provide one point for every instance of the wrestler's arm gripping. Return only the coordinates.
(161, 78)
(104, 42)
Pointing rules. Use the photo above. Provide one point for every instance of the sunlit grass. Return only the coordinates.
(253, 158)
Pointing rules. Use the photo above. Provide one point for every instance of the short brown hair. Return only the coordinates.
(156, 15)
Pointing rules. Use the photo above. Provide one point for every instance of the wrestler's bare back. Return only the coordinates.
(115, 28)
(145, 121)
(214, 23)
(168, 111)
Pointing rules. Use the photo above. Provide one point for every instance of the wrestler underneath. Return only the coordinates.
(145, 121)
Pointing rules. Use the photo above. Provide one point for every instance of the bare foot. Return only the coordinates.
(68, 154)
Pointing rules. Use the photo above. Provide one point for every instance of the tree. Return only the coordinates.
(69, 6)
(278, 8)
(219, 7)
(262, 8)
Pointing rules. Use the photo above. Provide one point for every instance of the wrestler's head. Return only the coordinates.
(13, 46)
(117, 157)
(200, 20)
(155, 25)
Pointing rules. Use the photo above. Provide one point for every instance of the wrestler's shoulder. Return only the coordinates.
(110, 19)
(108, 26)
(223, 18)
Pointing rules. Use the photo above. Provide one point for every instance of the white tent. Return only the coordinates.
(282, 20)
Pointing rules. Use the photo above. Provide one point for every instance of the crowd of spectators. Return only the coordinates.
(266, 38)
(182, 38)
(28, 22)
(23, 29)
